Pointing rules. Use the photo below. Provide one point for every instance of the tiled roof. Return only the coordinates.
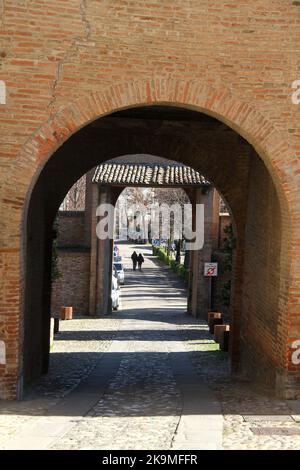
(154, 173)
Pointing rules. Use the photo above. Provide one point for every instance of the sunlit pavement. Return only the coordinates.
(147, 377)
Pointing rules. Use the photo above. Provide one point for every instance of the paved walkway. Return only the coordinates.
(146, 377)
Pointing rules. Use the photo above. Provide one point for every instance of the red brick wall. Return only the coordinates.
(73, 263)
(71, 228)
(65, 63)
(262, 319)
(72, 288)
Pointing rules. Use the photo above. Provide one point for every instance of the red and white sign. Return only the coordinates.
(210, 269)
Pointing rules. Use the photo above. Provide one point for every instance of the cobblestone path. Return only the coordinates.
(146, 377)
(76, 351)
(142, 406)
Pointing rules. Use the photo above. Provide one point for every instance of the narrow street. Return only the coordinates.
(146, 377)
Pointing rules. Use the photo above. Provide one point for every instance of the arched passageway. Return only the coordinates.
(259, 298)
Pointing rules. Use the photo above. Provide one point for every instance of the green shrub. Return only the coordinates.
(176, 267)
(225, 292)
(173, 265)
(229, 245)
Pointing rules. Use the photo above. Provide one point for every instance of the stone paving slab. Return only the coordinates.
(275, 431)
(294, 406)
(268, 418)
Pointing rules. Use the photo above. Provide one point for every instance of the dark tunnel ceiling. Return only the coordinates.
(168, 113)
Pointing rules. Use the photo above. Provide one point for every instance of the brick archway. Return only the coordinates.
(271, 145)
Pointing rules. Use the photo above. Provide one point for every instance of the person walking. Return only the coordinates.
(140, 261)
(134, 258)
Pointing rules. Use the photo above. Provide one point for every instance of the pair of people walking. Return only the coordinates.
(137, 260)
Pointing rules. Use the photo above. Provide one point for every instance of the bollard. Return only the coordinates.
(56, 325)
(224, 343)
(66, 313)
(215, 319)
(218, 332)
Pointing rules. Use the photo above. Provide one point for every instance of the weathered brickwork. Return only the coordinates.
(67, 62)
(71, 225)
(72, 288)
(262, 329)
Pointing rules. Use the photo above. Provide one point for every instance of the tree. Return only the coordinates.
(129, 203)
(172, 196)
(145, 198)
(75, 198)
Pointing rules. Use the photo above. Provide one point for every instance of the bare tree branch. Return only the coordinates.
(75, 198)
